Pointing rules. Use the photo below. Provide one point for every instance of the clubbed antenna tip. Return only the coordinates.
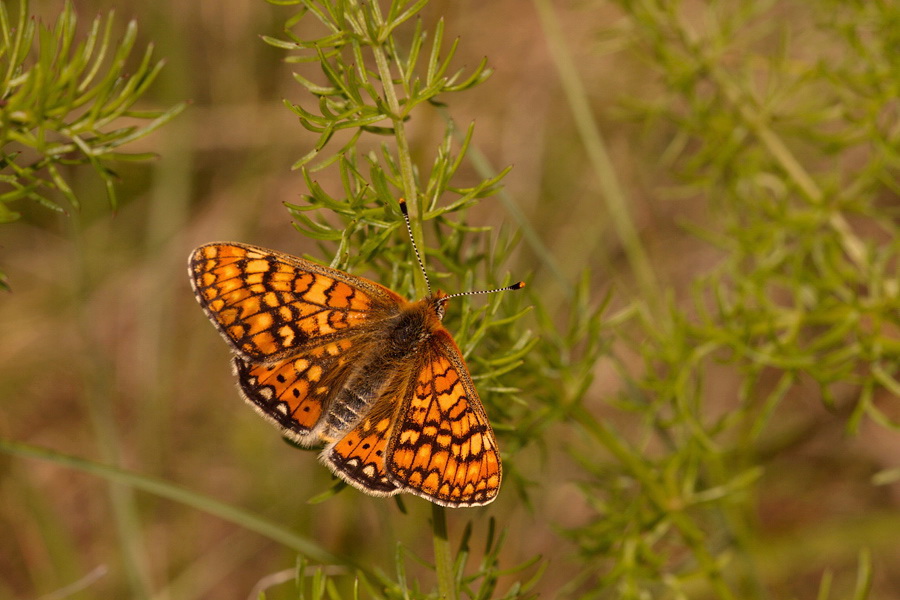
(515, 286)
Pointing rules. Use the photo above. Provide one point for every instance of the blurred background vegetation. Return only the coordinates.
(704, 197)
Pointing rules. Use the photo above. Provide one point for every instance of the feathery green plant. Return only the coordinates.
(369, 82)
(795, 143)
(806, 288)
(314, 581)
(66, 102)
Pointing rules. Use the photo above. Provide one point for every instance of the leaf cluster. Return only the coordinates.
(67, 100)
(360, 91)
(316, 582)
(804, 289)
(377, 70)
(808, 284)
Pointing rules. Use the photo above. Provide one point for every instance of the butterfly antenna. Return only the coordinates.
(413, 240)
(516, 286)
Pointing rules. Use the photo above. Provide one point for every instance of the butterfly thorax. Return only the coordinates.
(407, 332)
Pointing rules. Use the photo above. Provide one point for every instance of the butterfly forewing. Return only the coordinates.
(270, 305)
(442, 446)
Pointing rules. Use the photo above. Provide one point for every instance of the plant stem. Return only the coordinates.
(163, 489)
(404, 159)
(97, 369)
(443, 558)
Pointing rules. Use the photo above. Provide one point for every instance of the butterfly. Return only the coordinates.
(334, 358)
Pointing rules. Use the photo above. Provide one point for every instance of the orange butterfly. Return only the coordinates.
(331, 357)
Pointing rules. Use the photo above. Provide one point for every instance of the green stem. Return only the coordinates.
(404, 158)
(443, 558)
(97, 369)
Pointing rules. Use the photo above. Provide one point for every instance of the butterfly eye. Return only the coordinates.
(439, 309)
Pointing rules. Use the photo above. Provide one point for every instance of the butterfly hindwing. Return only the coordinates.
(270, 305)
(358, 457)
(442, 447)
(295, 392)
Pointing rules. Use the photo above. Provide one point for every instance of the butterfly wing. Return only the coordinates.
(269, 305)
(426, 434)
(294, 392)
(442, 447)
(358, 457)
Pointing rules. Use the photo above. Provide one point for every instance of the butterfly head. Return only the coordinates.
(438, 301)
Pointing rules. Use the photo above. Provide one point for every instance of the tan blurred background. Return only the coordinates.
(106, 356)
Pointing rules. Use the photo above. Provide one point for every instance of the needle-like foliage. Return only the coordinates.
(375, 71)
(802, 299)
(67, 101)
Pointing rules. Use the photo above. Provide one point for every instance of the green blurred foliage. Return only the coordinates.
(68, 101)
(695, 396)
